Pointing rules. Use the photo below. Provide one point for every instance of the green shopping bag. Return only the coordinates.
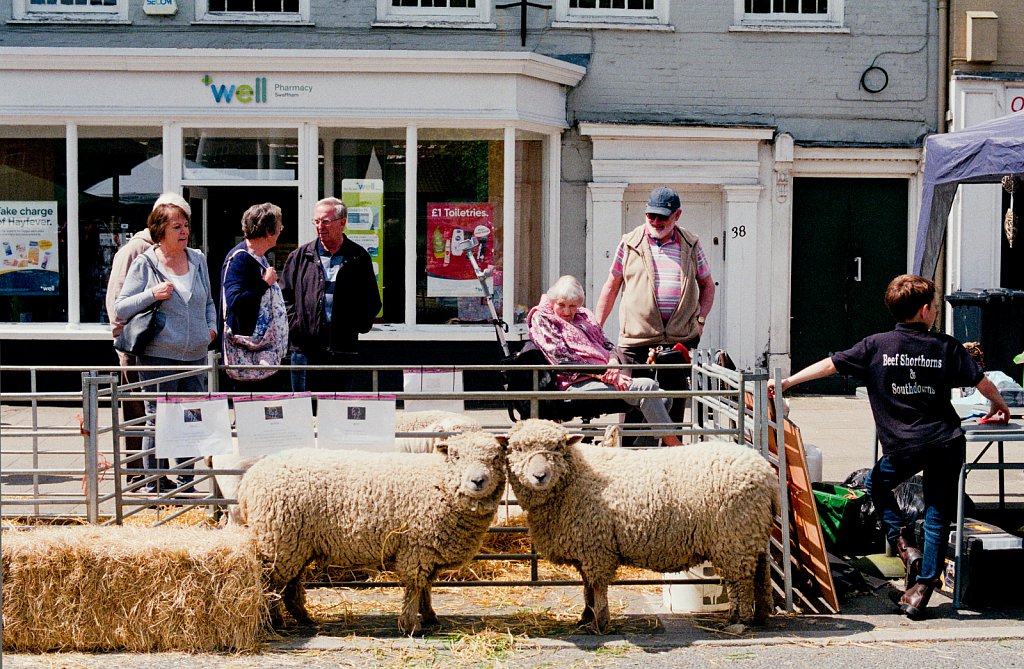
(839, 514)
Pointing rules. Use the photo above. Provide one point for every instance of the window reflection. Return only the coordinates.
(121, 180)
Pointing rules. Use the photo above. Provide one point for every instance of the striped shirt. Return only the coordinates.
(667, 257)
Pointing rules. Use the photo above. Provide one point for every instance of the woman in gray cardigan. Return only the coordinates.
(177, 275)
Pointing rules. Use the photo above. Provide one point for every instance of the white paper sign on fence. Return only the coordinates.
(365, 422)
(433, 381)
(190, 428)
(271, 423)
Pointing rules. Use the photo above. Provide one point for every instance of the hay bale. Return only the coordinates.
(132, 588)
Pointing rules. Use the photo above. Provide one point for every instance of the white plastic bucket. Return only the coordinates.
(813, 455)
(695, 598)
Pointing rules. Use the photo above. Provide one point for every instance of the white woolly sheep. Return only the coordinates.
(663, 509)
(429, 421)
(414, 513)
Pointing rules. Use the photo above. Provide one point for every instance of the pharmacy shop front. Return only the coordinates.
(438, 155)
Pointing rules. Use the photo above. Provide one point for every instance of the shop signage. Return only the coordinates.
(454, 231)
(256, 92)
(29, 263)
(365, 201)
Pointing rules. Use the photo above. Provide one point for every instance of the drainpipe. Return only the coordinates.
(943, 69)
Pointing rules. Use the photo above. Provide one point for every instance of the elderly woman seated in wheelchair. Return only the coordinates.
(567, 333)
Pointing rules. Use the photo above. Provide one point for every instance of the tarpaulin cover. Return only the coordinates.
(982, 153)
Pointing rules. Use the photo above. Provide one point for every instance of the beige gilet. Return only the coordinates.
(640, 322)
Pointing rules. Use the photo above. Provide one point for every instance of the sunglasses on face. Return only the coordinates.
(657, 217)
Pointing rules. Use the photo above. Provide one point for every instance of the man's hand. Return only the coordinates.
(213, 334)
(606, 300)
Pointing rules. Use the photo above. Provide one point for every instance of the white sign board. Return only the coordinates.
(271, 423)
(191, 428)
(365, 422)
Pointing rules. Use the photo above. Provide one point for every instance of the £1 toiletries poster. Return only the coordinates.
(29, 263)
(457, 235)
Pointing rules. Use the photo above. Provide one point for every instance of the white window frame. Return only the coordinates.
(204, 15)
(833, 19)
(23, 10)
(568, 17)
(474, 17)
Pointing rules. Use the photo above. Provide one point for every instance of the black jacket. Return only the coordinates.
(356, 300)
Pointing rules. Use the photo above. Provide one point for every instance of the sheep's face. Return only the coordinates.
(537, 454)
(477, 464)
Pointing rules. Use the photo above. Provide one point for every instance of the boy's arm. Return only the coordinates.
(819, 370)
(997, 405)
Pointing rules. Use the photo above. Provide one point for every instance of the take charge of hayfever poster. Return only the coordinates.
(29, 264)
(454, 232)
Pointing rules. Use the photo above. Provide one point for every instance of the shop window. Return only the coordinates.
(784, 14)
(121, 175)
(458, 222)
(33, 227)
(455, 12)
(66, 11)
(366, 170)
(617, 12)
(252, 11)
(460, 208)
(223, 154)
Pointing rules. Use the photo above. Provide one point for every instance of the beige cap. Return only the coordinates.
(175, 199)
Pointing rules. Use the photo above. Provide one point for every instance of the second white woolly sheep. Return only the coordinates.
(665, 509)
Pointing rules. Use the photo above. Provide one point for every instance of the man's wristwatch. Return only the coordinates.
(701, 320)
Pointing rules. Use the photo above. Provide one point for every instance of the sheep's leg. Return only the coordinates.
(409, 620)
(602, 617)
(277, 613)
(741, 598)
(588, 604)
(733, 590)
(764, 603)
(294, 598)
(595, 598)
(428, 617)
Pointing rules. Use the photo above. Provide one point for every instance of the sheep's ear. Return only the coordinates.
(441, 447)
(502, 439)
(571, 439)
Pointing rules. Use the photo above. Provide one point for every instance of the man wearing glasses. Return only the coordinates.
(659, 253)
(331, 293)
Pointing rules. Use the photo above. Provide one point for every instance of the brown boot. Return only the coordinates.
(911, 557)
(915, 599)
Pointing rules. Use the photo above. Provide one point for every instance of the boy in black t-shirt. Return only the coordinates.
(910, 373)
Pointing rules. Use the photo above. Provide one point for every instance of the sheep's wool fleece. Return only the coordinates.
(662, 509)
(358, 509)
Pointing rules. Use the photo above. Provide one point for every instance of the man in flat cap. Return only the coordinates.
(662, 255)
